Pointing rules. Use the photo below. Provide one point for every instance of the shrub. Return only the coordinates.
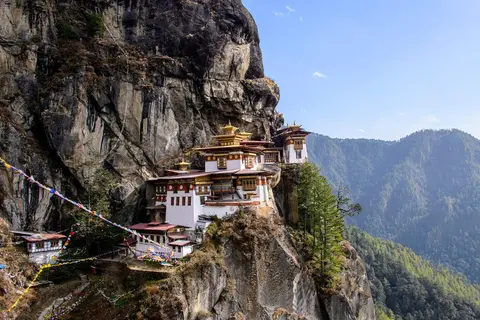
(66, 31)
(95, 26)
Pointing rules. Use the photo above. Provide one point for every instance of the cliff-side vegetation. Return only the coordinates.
(406, 286)
(319, 233)
(96, 234)
(14, 277)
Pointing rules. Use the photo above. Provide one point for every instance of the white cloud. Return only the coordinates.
(290, 9)
(401, 114)
(318, 75)
(360, 130)
(278, 14)
(431, 118)
(303, 110)
(301, 19)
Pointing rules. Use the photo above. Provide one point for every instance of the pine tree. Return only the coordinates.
(322, 225)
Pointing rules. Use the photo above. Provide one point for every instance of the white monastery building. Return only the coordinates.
(236, 175)
(41, 247)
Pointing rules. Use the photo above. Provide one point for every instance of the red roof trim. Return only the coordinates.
(146, 227)
(43, 237)
(231, 203)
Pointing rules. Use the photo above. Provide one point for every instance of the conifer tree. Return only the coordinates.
(321, 223)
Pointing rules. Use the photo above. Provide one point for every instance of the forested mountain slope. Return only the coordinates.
(412, 287)
(422, 191)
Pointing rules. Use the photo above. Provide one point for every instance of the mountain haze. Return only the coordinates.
(422, 191)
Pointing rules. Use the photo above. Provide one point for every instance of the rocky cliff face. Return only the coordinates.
(123, 85)
(257, 274)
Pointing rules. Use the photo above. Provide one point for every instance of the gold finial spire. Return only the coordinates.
(183, 165)
(294, 124)
(228, 129)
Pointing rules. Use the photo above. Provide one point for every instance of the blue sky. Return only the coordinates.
(373, 68)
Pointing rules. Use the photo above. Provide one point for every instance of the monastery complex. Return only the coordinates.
(238, 173)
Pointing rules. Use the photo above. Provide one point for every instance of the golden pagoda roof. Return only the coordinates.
(229, 129)
(294, 125)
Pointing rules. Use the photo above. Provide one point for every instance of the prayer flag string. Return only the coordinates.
(81, 206)
(67, 242)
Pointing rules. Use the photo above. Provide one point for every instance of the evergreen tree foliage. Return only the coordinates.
(406, 286)
(95, 233)
(321, 226)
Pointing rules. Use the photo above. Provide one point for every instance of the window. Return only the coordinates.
(271, 157)
(39, 245)
(158, 239)
(178, 201)
(202, 189)
(259, 159)
(249, 162)
(54, 243)
(183, 201)
(299, 154)
(179, 249)
(175, 189)
(249, 185)
(202, 200)
(298, 144)
(172, 201)
(189, 201)
(222, 163)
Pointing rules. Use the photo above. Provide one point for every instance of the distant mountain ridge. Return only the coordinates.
(422, 191)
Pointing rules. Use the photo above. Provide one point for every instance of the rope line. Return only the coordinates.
(79, 205)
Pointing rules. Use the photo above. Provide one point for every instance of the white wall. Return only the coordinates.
(211, 166)
(235, 164)
(291, 156)
(47, 246)
(181, 215)
(42, 257)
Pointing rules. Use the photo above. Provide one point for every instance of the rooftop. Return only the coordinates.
(179, 243)
(153, 226)
(128, 242)
(256, 142)
(243, 147)
(220, 172)
(248, 171)
(176, 236)
(43, 237)
(181, 176)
